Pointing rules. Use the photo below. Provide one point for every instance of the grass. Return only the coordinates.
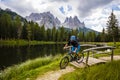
(108, 71)
(30, 69)
(25, 42)
(112, 44)
(34, 68)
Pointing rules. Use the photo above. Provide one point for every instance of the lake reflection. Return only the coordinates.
(14, 55)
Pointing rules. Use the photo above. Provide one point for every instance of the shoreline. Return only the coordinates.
(26, 42)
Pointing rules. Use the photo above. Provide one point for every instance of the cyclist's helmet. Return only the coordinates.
(73, 38)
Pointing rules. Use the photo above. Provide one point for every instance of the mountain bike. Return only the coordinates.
(69, 57)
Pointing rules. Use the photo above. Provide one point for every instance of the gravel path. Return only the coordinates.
(115, 57)
(54, 75)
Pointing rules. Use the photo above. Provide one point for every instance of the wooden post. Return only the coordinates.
(87, 58)
(93, 53)
(112, 55)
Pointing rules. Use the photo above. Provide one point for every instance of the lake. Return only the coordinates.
(11, 55)
(17, 54)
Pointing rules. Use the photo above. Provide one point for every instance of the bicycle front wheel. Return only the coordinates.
(79, 57)
(64, 62)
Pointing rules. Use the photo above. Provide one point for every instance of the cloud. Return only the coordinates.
(98, 20)
(62, 9)
(69, 8)
(65, 10)
(93, 12)
(21, 7)
(59, 0)
(114, 7)
(88, 6)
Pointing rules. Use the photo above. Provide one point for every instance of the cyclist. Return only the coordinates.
(75, 45)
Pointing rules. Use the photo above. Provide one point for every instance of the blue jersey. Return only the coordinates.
(73, 43)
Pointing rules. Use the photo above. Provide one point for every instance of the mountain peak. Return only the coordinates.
(73, 23)
(46, 18)
(48, 12)
(7, 9)
(76, 19)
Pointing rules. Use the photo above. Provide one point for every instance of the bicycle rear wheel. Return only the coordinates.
(79, 58)
(64, 62)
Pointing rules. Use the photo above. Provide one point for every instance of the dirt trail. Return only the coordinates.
(54, 75)
(116, 57)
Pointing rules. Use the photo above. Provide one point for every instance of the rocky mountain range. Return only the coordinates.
(48, 20)
(73, 23)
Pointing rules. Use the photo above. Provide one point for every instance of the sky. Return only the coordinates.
(94, 13)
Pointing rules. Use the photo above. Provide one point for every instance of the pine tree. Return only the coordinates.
(112, 27)
(103, 35)
(62, 34)
(48, 34)
(37, 32)
(80, 36)
(42, 32)
(19, 27)
(32, 25)
(5, 26)
(28, 28)
(53, 33)
(24, 31)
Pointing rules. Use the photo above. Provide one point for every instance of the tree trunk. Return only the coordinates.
(114, 42)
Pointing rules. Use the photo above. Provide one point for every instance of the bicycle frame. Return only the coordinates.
(70, 53)
(70, 57)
